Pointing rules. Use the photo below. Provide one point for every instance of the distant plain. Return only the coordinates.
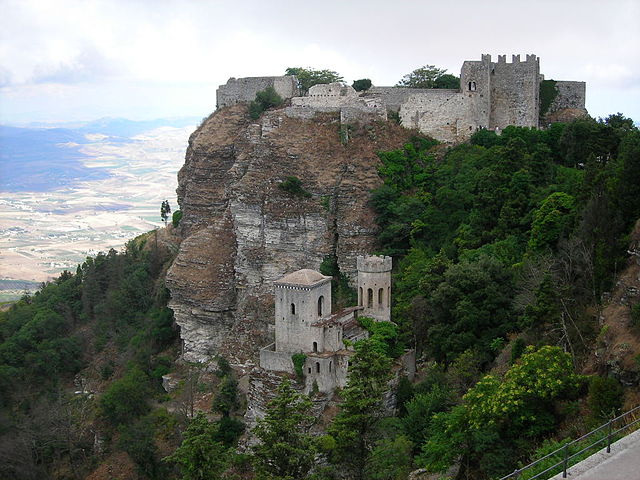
(67, 193)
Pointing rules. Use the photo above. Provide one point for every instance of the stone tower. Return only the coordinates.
(301, 298)
(374, 287)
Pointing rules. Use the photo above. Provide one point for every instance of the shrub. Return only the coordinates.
(175, 219)
(126, 399)
(517, 349)
(265, 99)
(298, 360)
(293, 186)
(361, 85)
(605, 397)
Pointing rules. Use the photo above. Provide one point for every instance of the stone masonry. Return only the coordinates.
(304, 322)
(492, 95)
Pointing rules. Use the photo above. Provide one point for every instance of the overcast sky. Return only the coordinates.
(66, 60)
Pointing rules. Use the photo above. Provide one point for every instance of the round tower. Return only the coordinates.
(374, 287)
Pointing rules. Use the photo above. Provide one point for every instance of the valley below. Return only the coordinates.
(76, 215)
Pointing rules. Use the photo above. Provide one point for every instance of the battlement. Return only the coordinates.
(515, 59)
(374, 264)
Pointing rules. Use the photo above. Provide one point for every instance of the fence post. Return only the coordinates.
(565, 461)
(516, 473)
(609, 437)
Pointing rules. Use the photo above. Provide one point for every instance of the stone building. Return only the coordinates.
(305, 324)
(492, 95)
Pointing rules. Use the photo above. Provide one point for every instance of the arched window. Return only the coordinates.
(315, 346)
(317, 367)
(380, 297)
(369, 298)
(360, 297)
(293, 309)
(320, 305)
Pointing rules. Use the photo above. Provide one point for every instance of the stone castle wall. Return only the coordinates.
(244, 89)
(514, 92)
(492, 95)
(570, 95)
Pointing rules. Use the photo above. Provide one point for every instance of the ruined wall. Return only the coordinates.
(238, 90)
(363, 111)
(394, 97)
(570, 95)
(276, 361)
(443, 114)
(515, 89)
(327, 95)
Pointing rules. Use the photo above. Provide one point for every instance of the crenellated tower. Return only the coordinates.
(374, 286)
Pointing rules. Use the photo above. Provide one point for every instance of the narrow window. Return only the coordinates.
(309, 369)
(369, 298)
(320, 305)
(315, 347)
(472, 86)
(317, 367)
(380, 297)
(293, 309)
(360, 302)
(330, 366)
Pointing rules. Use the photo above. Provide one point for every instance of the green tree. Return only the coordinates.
(286, 451)
(165, 210)
(360, 410)
(226, 400)
(390, 459)
(551, 221)
(361, 85)
(429, 76)
(127, 398)
(199, 456)
(308, 77)
(265, 99)
(605, 397)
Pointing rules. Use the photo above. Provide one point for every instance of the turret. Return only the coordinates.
(374, 287)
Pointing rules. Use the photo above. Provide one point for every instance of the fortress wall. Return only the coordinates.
(570, 95)
(475, 83)
(276, 361)
(443, 114)
(332, 374)
(362, 113)
(327, 95)
(244, 89)
(515, 92)
(394, 97)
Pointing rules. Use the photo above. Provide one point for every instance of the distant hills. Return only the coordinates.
(43, 157)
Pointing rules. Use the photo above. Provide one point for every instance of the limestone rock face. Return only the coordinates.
(241, 231)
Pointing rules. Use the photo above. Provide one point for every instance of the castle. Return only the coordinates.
(304, 322)
(492, 95)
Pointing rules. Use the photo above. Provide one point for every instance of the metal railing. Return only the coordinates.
(563, 452)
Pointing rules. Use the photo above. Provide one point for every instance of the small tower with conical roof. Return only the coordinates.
(374, 287)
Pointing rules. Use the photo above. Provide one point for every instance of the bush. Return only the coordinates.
(126, 399)
(361, 85)
(175, 219)
(293, 186)
(298, 360)
(265, 99)
(605, 397)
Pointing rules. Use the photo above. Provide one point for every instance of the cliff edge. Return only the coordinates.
(241, 231)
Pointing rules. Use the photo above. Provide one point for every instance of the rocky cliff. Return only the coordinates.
(241, 231)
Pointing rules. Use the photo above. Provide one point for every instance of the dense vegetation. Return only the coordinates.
(507, 241)
(113, 308)
(504, 249)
